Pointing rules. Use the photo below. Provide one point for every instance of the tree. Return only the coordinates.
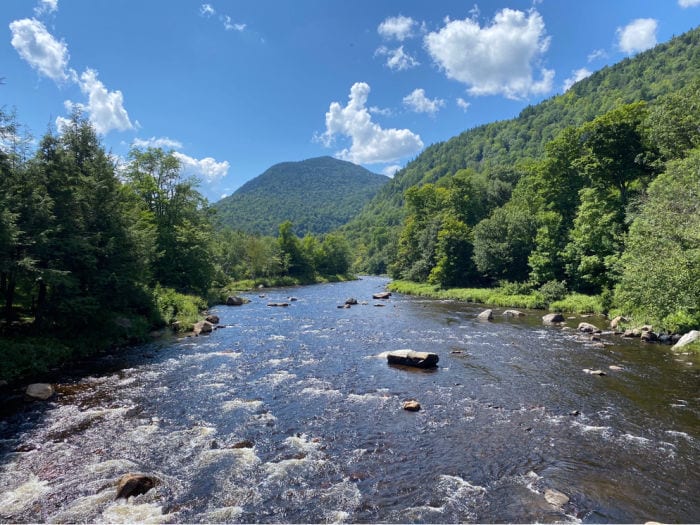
(454, 250)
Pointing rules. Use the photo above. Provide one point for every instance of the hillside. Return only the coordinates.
(500, 146)
(318, 195)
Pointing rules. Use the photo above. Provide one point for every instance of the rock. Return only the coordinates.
(134, 484)
(411, 405)
(615, 368)
(649, 337)
(553, 318)
(632, 333)
(381, 295)
(278, 304)
(246, 443)
(292, 299)
(213, 319)
(556, 498)
(379, 304)
(688, 338)
(410, 358)
(351, 301)
(665, 339)
(617, 320)
(176, 326)
(513, 313)
(203, 327)
(234, 300)
(486, 315)
(41, 391)
(594, 372)
(588, 328)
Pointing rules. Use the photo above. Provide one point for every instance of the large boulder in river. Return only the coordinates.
(588, 328)
(486, 315)
(41, 391)
(134, 484)
(553, 318)
(381, 295)
(234, 300)
(410, 358)
(213, 319)
(690, 337)
(203, 327)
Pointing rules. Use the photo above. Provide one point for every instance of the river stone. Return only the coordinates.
(203, 327)
(688, 338)
(556, 498)
(513, 313)
(213, 319)
(588, 328)
(486, 315)
(41, 391)
(278, 304)
(553, 318)
(617, 320)
(411, 405)
(594, 372)
(648, 336)
(410, 358)
(351, 301)
(134, 484)
(234, 300)
(381, 295)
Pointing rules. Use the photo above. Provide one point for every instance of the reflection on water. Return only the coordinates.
(293, 415)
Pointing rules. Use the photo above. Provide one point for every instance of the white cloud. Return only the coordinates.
(384, 112)
(40, 49)
(160, 142)
(46, 6)
(496, 59)
(596, 54)
(369, 142)
(206, 10)
(577, 75)
(105, 108)
(397, 59)
(391, 170)
(463, 104)
(688, 3)
(230, 25)
(638, 35)
(207, 168)
(397, 28)
(418, 102)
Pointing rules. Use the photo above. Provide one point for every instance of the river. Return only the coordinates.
(507, 416)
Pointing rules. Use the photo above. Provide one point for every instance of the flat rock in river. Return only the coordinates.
(411, 358)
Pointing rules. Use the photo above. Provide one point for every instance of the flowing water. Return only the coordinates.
(508, 415)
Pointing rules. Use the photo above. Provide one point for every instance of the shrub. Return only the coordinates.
(553, 291)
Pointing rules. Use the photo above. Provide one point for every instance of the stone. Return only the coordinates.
(594, 372)
(617, 320)
(411, 405)
(278, 304)
(553, 318)
(486, 315)
(203, 327)
(134, 484)
(41, 391)
(631, 333)
(246, 443)
(234, 300)
(556, 498)
(588, 328)
(381, 295)
(688, 338)
(410, 358)
(648, 336)
(292, 299)
(513, 313)
(351, 301)
(213, 319)
(615, 368)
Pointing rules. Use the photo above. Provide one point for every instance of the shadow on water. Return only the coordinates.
(293, 415)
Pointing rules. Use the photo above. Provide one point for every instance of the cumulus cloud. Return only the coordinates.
(391, 170)
(104, 108)
(463, 104)
(418, 102)
(206, 10)
(494, 59)
(576, 75)
(397, 28)
(159, 142)
(370, 143)
(229, 25)
(688, 3)
(397, 59)
(207, 168)
(40, 49)
(638, 35)
(46, 6)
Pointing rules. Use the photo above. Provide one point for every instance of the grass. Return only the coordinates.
(574, 303)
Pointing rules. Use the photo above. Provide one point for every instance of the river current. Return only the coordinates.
(508, 417)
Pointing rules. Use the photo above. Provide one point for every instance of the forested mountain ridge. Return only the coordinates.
(317, 195)
(496, 150)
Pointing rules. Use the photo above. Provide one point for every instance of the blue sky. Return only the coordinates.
(234, 87)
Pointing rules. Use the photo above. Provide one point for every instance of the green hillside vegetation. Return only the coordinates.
(497, 154)
(317, 195)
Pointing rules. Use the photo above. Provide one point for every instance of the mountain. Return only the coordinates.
(318, 195)
(501, 146)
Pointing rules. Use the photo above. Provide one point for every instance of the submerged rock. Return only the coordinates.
(556, 498)
(41, 391)
(553, 318)
(278, 304)
(513, 313)
(134, 484)
(411, 358)
(486, 315)
(351, 301)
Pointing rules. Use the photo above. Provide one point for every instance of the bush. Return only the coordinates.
(681, 322)
(553, 291)
(579, 303)
(173, 306)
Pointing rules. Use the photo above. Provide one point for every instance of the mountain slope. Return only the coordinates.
(318, 195)
(491, 147)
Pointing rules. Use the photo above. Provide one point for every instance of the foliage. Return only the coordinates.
(176, 307)
(317, 195)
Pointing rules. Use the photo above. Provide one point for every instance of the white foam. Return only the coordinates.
(636, 439)
(224, 514)
(277, 338)
(318, 392)
(242, 404)
(112, 465)
(14, 501)
(135, 513)
(291, 468)
(245, 458)
(276, 378)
